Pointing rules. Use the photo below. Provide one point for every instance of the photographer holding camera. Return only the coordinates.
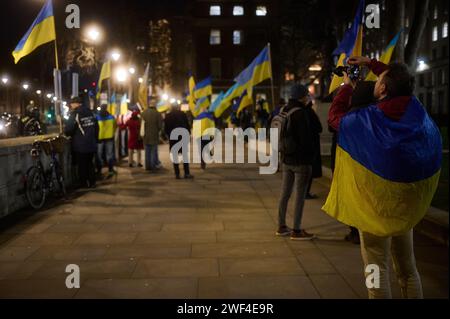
(388, 162)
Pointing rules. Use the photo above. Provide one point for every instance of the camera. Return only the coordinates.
(353, 71)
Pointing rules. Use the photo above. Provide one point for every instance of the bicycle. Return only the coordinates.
(39, 182)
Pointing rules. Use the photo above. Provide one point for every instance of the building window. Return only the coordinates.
(261, 11)
(237, 37)
(238, 10)
(215, 11)
(445, 30)
(215, 65)
(435, 34)
(214, 37)
(435, 13)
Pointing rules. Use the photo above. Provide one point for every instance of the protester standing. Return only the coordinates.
(297, 158)
(82, 126)
(135, 142)
(153, 123)
(316, 129)
(105, 146)
(177, 119)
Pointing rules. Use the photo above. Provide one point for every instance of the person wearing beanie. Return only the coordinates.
(297, 162)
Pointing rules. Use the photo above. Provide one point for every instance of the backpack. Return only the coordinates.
(281, 122)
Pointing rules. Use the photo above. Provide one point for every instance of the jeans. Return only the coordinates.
(85, 164)
(176, 168)
(299, 175)
(151, 157)
(377, 250)
(107, 147)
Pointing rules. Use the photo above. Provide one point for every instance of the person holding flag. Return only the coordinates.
(388, 163)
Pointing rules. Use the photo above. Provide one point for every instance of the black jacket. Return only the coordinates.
(316, 130)
(300, 128)
(82, 126)
(175, 119)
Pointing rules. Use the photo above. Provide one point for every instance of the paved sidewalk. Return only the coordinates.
(151, 236)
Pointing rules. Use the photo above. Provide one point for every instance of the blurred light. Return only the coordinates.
(1, 127)
(121, 75)
(55, 98)
(49, 95)
(315, 68)
(317, 81)
(38, 92)
(5, 80)
(115, 55)
(140, 80)
(25, 86)
(422, 65)
(132, 70)
(165, 97)
(93, 33)
(49, 115)
(178, 102)
(172, 100)
(98, 108)
(128, 101)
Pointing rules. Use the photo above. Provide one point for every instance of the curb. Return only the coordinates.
(434, 225)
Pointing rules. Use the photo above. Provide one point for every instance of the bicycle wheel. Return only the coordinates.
(35, 187)
(58, 182)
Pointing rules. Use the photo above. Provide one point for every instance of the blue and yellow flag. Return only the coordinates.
(105, 73)
(227, 99)
(216, 103)
(244, 101)
(163, 106)
(112, 106)
(190, 97)
(351, 45)
(201, 105)
(386, 171)
(124, 105)
(202, 123)
(259, 70)
(41, 31)
(386, 56)
(203, 88)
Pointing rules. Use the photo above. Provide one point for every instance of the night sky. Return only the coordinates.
(123, 21)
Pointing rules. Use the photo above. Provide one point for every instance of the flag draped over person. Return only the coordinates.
(386, 56)
(40, 32)
(143, 89)
(390, 196)
(350, 45)
(105, 73)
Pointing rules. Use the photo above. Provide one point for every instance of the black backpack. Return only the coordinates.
(282, 122)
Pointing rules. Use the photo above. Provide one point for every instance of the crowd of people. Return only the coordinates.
(390, 99)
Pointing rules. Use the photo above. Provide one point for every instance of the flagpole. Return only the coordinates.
(56, 56)
(271, 77)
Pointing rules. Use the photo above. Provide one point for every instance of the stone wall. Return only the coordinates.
(15, 160)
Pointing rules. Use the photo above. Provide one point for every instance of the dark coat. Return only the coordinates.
(153, 125)
(175, 119)
(300, 130)
(82, 126)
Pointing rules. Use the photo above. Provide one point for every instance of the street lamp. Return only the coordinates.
(165, 97)
(49, 96)
(25, 86)
(115, 55)
(5, 80)
(38, 92)
(140, 80)
(132, 70)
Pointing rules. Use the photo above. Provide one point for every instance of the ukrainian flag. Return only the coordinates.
(386, 56)
(163, 106)
(191, 98)
(244, 101)
(201, 105)
(216, 103)
(203, 88)
(386, 171)
(351, 45)
(259, 70)
(105, 73)
(225, 102)
(124, 105)
(202, 123)
(112, 107)
(41, 31)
